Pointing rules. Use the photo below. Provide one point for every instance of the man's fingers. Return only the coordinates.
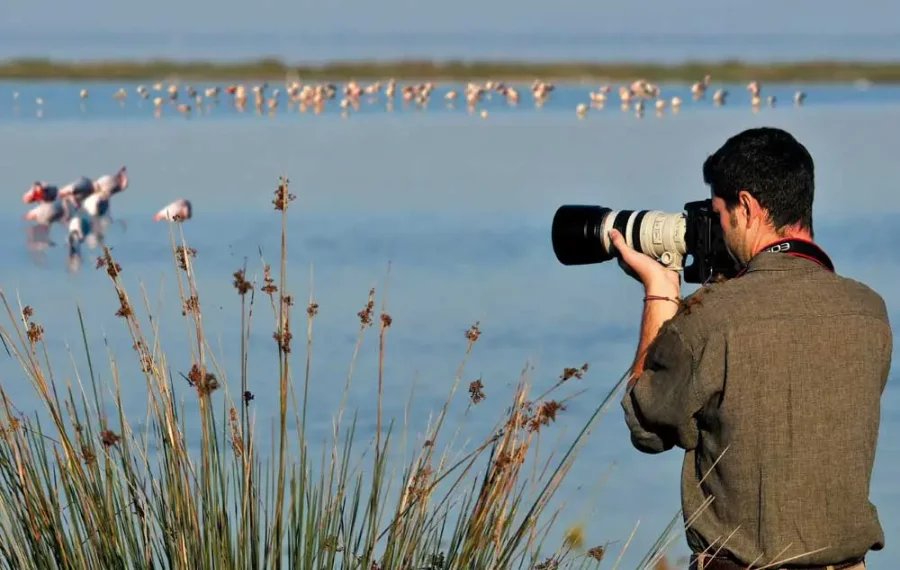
(616, 238)
(619, 243)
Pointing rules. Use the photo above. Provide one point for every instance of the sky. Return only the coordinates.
(307, 31)
(651, 17)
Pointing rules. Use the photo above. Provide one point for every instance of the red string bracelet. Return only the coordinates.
(659, 298)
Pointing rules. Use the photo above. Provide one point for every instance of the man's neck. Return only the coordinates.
(769, 238)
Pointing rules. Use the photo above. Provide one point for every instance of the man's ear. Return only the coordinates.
(750, 207)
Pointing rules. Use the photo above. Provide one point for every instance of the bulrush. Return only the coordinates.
(188, 482)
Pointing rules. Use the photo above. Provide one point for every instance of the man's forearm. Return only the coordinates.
(656, 313)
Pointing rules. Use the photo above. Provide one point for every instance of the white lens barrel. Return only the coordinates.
(661, 235)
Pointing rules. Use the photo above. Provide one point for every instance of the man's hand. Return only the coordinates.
(656, 278)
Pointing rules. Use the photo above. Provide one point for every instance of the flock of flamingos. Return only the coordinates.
(82, 208)
(186, 100)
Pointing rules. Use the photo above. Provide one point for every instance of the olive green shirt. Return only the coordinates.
(772, 385)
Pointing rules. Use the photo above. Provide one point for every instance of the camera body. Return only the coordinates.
(580, 236)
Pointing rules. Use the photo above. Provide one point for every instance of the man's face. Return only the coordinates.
(734, 238)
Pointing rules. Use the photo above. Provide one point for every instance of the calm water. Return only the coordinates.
(461, 208)
(60, 101)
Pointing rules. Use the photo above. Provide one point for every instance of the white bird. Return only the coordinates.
(80, 229)
(719, 97)
(177, 211)
(97, 204)
(45, 215)
(48, 213)
(112, 183)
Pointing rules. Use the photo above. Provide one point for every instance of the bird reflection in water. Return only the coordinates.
(37, 238)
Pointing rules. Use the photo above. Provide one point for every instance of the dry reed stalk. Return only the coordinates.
(81, 489)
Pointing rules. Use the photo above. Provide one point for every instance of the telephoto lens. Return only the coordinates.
(580, 234)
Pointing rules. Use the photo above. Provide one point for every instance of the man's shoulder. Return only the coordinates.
(718, 305)
(859, 292)
(713, 299)
(703, 311)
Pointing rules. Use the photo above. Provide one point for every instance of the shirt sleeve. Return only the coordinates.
(662, 404)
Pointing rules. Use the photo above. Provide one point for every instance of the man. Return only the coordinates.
(771, 382)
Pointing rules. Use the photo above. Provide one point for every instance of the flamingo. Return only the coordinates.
(112, 183)
(78, 190)
(45, 215)
(177, 211)
(80, 229)
(48, 213)
(40, 192)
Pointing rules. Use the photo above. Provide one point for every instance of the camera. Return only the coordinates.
(580, 235)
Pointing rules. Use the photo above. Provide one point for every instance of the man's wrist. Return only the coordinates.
(669, 286)
(671, 292)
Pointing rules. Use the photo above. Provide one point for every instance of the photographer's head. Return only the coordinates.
(762, 187)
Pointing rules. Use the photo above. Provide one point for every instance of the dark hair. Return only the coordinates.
(773, 167)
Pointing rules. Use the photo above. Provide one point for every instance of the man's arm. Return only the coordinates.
(656, 312)
(663, 392)
(666, 366)
(661, 405)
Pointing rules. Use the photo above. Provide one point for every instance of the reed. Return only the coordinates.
(84, 487)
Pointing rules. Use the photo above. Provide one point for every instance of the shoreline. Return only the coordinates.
(41, 70)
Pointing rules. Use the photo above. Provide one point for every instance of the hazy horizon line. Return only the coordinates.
(12, 32)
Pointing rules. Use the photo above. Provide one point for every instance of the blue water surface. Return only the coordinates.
(448, 214)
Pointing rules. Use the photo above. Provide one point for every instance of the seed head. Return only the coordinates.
(419, 485)
(109, 438)
(569, 373)
(476, 391)
(597, 553)
(191, 305)
(240, 282)
(140, 346)
(183, 254)
(106, 261)
(124, 307)
(473, 333)
(282, 196)
(204, 382)
(546, 413)
(283, 338)
(365, 316)
(34, 331)
(269, 288)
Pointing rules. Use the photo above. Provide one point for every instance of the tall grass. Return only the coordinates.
(84, 488)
